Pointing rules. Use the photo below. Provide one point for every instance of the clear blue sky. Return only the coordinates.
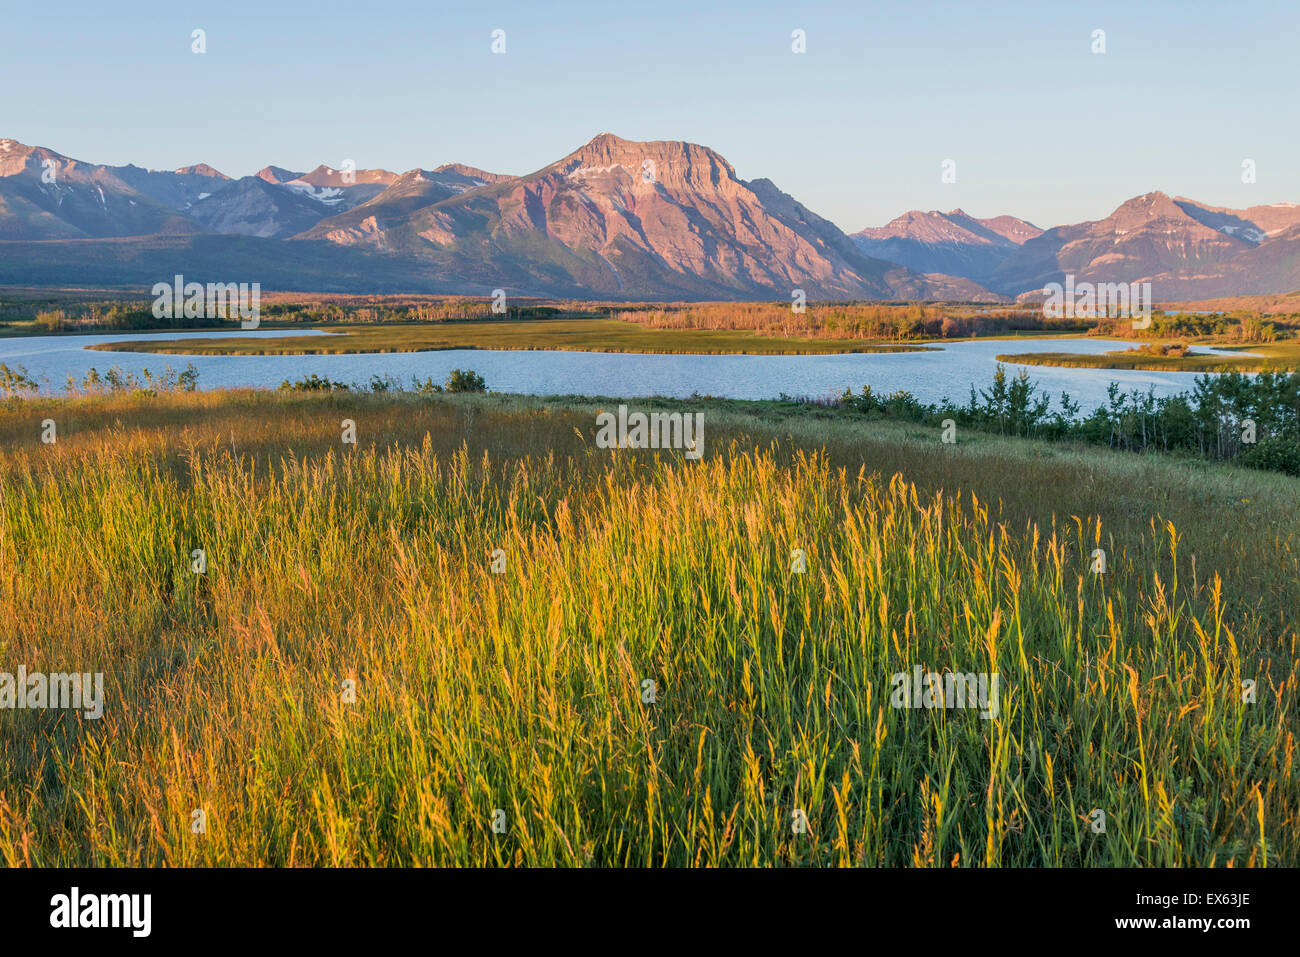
(856, 128)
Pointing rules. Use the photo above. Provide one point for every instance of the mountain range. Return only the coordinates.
(1185, 249)
(954, 243)
(613, 219)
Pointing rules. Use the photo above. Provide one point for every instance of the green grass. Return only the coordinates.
(586, 335)
(523, 691)
(1269, 357)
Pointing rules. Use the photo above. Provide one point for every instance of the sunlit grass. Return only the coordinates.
(1258, 357)
(523, 691)
(584, 335)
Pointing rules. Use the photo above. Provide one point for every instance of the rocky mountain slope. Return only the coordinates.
(1151, 237)
(623, 218)
(46, 195)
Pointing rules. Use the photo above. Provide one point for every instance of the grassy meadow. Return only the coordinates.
(1257, 357)
(584, 335)
(368, 568)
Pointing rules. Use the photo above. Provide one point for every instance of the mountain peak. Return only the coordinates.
(277, 175)
(329, 176)
(1152, 200)
(416, 175)
(15, 156)
(1149, 206)
(471, 172)
(673, 164)
(201, 169)
(603, 145)
(606, 140)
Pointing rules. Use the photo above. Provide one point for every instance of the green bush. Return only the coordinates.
(1275, 455)
(465, 380)
(314, 383)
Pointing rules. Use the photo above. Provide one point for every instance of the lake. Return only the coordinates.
(949, 371)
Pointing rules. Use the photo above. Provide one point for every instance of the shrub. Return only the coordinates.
(465, 380)
(313, 383)
(1275, 455)
(425, 386)
(14, 382)
(145, 385)
(55, 321)
(954, 327)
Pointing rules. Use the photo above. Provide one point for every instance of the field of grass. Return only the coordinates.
(585, 335)
(1267, 357)
(526, 691)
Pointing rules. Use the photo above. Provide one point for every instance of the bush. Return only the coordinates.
(1207, 421)
(954, 327)
(425, 387)
(55, 321)
(313, 383)
(15, 382)
(146, 385)
(465, 380)
(1274, 455)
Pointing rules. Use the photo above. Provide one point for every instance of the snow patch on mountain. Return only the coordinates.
(328, 195)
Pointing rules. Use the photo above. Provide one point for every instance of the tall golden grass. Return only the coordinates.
(525, 691)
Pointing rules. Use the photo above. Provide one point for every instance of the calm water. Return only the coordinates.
(949, 371)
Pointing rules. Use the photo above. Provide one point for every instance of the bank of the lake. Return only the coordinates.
(1201, 357)
(575, 335)
(943, 370)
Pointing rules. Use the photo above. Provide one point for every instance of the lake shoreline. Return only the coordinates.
(948, 370)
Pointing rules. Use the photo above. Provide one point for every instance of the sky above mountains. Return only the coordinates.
(857, 127)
